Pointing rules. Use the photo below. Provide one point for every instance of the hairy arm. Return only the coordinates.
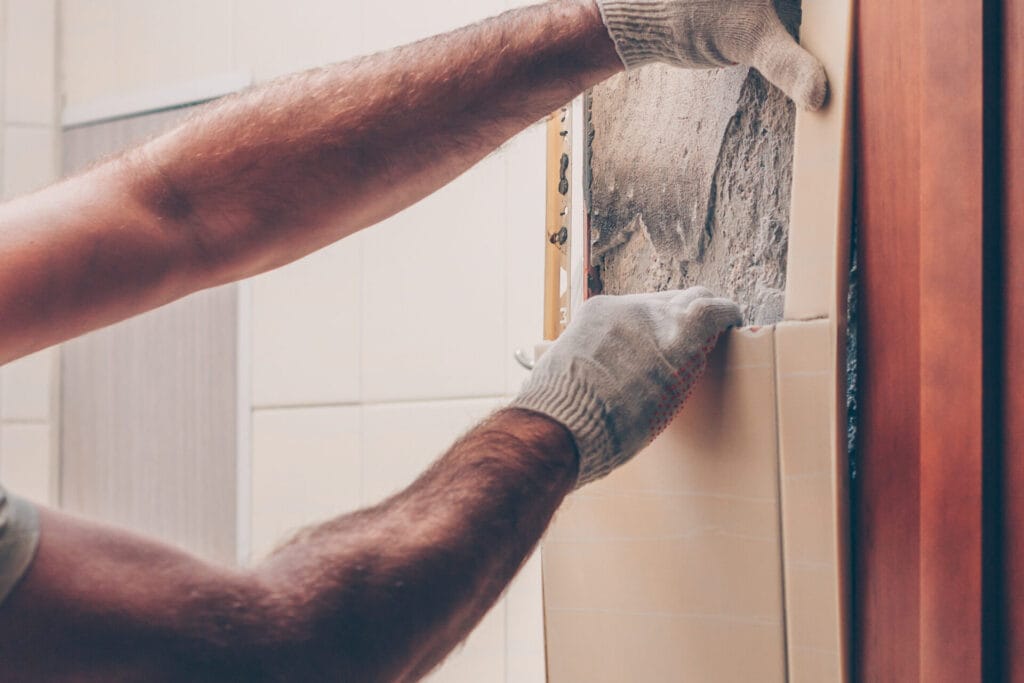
(380, 595)
(262, 178)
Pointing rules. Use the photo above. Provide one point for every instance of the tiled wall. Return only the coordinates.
(29, 152)
(370, 357)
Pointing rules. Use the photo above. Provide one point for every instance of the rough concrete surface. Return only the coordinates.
(690, 178)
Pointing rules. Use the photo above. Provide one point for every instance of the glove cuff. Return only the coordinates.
(574, 406)
(642, 31)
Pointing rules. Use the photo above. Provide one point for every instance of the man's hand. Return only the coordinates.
(623, 369)
(701, 34)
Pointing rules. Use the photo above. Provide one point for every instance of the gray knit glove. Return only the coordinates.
(700, 34)
(623, 368)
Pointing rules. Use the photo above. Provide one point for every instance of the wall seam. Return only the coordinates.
(781, 498)
(3, 100)
(243, 426)
(373, 404)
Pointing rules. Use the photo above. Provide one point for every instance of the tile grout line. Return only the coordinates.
(776, 384)
(3, 94)
(244, 421)
(57, 362)
(373, 404)
(26, 422)
(361, 354)
(3, 75)
(28, 125)
(507, 377)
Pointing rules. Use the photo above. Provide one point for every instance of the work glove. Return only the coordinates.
(623, 368)
(702, 34)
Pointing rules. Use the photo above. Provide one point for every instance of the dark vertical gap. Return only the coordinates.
(854, 365)
(994, 643)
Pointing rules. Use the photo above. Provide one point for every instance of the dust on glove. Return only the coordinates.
(700, 34)
(622, 370)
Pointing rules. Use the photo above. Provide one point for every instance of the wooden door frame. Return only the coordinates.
(929, 532)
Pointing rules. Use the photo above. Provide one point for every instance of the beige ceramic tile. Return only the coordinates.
(30, 159)
(820, 215)
(305, 327)
(305, 469)
(401, 440)
(524, 207)
(433, 287)
(670, 569)
(525, 623)
(26, 459)
(27, 387)
(481, 657)
(30, 89)
(661, 647)
(306, 33)
(812, 500)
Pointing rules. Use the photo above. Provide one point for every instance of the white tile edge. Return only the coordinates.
(827, 30)
(838, 489)
(155, 99)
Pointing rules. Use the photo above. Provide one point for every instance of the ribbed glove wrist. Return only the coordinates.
(645, 32)
(622, 370)
(703, 34)
(573, 404)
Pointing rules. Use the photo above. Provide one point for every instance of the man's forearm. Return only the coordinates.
(379, 595)
(394, 588)
(269, 175)
(302, 162)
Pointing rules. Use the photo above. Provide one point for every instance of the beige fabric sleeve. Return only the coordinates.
(19, 536)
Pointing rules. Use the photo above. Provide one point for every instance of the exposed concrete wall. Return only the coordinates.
(691, 176)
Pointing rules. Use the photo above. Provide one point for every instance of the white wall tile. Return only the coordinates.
(481, 657)
(152, 44)
(401, 440)
(434, 287)
(30, 71)
(3, 54)
(164, 43)
(25, 461)
(3, 76)
(389, 24)
(524, 206)
(30, 159)
(306, 33)
(27, 387)
(306, 329)
(525, 625)
(89, 50)
(305, 469)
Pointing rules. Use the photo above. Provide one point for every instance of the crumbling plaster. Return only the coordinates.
(691, 174)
